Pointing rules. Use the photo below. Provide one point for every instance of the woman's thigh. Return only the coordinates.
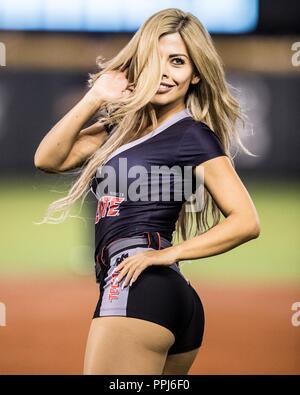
(126, 345)
(180, 363)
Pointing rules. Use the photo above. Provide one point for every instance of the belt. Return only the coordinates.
(149, 239)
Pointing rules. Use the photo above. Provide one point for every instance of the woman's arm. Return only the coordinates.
(87, 142)
(59, 141)
(241, 223)
(67, 145)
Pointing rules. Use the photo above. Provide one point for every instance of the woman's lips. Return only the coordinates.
(164, 89)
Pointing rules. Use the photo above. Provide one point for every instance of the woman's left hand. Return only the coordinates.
(133, 266)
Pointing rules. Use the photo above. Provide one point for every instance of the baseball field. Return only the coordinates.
(48, 292)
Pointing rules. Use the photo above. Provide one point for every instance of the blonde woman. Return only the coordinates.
(165, 109)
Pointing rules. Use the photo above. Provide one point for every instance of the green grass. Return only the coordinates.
(28, 249)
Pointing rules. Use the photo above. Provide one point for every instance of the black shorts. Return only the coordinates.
(161, 294)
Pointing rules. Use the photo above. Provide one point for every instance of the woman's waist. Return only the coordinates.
(118, 249)
(148, 239)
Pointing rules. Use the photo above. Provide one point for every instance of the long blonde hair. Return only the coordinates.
(209, 101)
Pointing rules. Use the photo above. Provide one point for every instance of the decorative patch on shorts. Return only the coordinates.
(114, 289)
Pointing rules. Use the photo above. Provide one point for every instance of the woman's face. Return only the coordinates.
(177, 71)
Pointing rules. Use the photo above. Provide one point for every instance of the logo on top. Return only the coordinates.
(108, 206)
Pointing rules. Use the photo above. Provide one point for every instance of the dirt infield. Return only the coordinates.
(248, 330)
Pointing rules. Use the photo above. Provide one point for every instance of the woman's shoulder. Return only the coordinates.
(198, 131)
(198, 143)
(195, 125)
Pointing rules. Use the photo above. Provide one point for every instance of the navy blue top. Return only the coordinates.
(180, 141)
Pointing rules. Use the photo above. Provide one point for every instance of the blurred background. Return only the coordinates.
(251, 295)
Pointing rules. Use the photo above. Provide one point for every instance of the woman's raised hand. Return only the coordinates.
(111, 86)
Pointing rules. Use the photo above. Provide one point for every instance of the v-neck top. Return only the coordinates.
(142, 185)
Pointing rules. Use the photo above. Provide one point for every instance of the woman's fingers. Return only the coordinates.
(123, 273)
(126, 93)
(130, 269)
(128, 277)
(135, 276)
(132, 276)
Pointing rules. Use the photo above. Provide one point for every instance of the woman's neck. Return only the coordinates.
(162, 115)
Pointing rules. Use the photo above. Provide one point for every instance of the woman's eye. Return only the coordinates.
(181, 60)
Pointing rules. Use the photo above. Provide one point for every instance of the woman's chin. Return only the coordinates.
(161, 99)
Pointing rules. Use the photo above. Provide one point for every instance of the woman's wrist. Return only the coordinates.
(172, 254)
(93, 100)
(177, 251)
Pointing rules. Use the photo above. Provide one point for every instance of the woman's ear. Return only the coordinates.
(195, 80)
